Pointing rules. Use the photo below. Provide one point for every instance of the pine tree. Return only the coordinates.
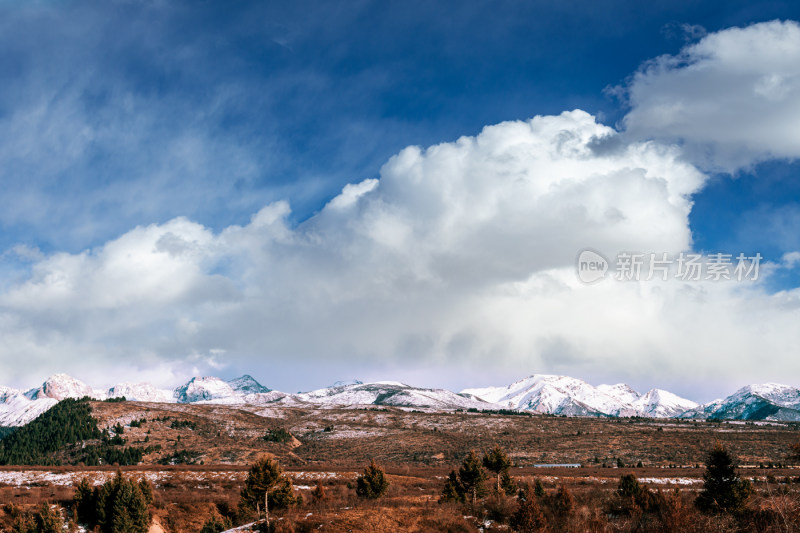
(723, 489)
(562, 502)
(472, 477)
(85, 502)
(497, 462)
(318, 494)
(47, 520)
(529, 517)
(507, 484)
(266, 478)
(24, 524)
(538, 488)
(215, 524)
(629, 486)
(372, 483)
(452, 491)
(121, 507)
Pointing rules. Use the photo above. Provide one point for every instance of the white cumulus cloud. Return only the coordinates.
(732, 99)
(460, 256)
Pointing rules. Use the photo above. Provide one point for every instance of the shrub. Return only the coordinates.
(538, 489)
(318, 494)
(277, 435)
(499, 507)
(216, 524)
(372, 483)
(562, 502)
(529, 517)
(629, 486)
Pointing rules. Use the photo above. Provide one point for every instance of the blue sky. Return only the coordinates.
(118, 115)
(298, 99)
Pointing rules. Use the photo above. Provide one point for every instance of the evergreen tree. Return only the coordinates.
(130, 514)
(24, 523)
(67, 422)
(216, 524)
(47, 520)
(538, 488)
(472, 477)
(497, 462)
(629, 486)
(266, 479)
(562, 502)
(121, 507)
(452, 491)
(529, 517)
(507, 484)
(318, 494)
(723, 489)
(85, 500)
(372, 483)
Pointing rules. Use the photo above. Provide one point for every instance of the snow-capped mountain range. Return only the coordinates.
(540, 393)
(562, 395)
(769, 401)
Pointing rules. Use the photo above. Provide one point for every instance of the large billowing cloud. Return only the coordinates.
(456, 266)
(461, 256)
(732, 99)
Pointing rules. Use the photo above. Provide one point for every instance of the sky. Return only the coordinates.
(317, 191)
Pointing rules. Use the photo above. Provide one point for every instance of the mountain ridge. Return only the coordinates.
(537, 393)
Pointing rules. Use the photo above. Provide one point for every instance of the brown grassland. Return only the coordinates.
(418, 450)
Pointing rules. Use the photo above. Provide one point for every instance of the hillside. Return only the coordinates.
(223, 434)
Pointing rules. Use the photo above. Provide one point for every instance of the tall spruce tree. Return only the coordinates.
(452, 490)
(472, 477)
(497, 462)
(723, 489)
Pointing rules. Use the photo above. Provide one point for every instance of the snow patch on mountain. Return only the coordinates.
(622, 392)
(140, 392)
(346, 382)
(247, 385)
(18, 410)
(206, 389)
(387, 393)
(658, 403)
(60, 386)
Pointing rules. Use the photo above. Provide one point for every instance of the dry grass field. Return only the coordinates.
(231, 435)
(418, 450)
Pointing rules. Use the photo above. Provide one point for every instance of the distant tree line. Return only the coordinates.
(68, 422)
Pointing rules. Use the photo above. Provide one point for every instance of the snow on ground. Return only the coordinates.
(27, 478)
(22, 478)
(670, 480)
